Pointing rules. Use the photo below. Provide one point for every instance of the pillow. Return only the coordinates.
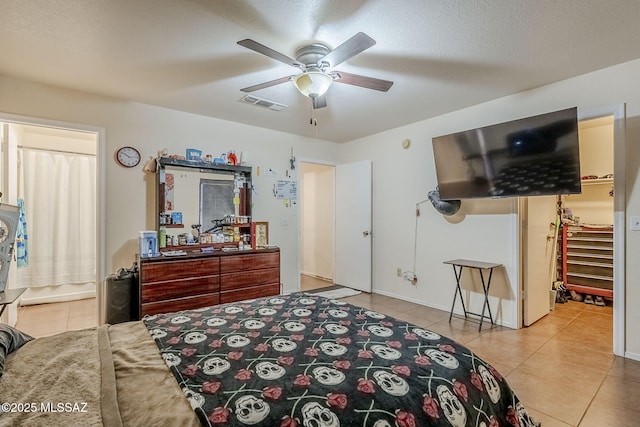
(11, 339)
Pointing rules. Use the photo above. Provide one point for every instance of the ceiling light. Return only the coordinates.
(313, 84)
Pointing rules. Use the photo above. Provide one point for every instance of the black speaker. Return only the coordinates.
(121, 295)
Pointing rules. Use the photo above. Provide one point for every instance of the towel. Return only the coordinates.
(22, 239)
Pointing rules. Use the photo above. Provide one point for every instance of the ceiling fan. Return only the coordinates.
(317, 62)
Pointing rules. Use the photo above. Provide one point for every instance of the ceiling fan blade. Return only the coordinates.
(356, 44)
(267, 51)
(319, 102)
(267, 84)
(362, 81)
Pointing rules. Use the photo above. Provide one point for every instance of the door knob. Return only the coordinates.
(365, 233)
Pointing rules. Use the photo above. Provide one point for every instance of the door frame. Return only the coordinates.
(300, 160)
(100, 188)
(619, 206)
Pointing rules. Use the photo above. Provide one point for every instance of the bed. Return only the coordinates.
(290, 360)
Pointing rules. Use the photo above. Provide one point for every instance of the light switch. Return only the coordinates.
(634, 223)
(284, 221)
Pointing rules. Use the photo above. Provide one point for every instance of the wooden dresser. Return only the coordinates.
(197, 280)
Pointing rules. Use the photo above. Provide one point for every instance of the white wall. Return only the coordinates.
(402, 178)
(129, 206)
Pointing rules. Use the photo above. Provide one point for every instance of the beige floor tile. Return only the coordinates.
(49, 319)
(425, 314)
(81, 322)
(625, 368)
(544, 419)
(601, 413)
(47, 309)
(580, 379)
(620, 392)
(495, 355)
(559, 401)
(549, 325)
(41, 328)
(83, 307)
(45, 313)
(458, 330)
(308, 283)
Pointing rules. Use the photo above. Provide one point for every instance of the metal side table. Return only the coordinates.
(458, 266)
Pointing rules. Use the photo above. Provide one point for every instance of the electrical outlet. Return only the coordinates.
(399, 272)
(634, 223)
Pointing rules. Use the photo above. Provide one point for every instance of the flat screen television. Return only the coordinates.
(534, 156)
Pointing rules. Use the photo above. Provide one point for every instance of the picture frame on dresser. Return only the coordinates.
(259, 234)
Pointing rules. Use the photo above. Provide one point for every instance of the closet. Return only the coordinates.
(586, 239)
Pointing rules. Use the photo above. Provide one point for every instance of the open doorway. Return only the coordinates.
(317, 219)
(54, 182)
(596, 273)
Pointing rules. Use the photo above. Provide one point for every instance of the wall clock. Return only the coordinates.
(128, 157)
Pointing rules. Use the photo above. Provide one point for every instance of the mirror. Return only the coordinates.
(184, 189)
(198, 193)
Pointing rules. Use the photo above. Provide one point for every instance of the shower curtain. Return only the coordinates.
(59, 195)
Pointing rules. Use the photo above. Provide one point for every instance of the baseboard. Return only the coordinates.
(632, 356)
(57, 298)
(315, 276)
(458, 313)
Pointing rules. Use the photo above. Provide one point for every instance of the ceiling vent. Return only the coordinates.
(254, 100)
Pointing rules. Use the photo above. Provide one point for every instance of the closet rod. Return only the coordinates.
(55, 151)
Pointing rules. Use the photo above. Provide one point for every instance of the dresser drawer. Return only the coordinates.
(188, 303)
(246, 279)
(158, 291)
(178, 269)
(249, 293)
(234, 263)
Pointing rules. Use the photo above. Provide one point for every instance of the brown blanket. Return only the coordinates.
(109, 375)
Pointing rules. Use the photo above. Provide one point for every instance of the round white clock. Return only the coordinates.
(128, 157)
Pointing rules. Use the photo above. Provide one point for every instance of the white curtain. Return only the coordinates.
(60, 204)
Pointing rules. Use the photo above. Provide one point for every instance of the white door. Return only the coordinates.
(353, 225)
(539, 251)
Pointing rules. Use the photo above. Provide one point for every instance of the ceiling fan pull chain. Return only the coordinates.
(312, 119)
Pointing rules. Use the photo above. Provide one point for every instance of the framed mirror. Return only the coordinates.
(200, 193)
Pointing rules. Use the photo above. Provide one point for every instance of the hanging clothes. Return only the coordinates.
(22, 238)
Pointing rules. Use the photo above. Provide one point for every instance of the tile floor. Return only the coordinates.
(308, 283)
(562, 367)
(47, 319)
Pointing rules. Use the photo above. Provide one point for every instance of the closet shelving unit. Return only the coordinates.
(587, 259)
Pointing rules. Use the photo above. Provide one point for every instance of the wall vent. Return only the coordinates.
(264, 103)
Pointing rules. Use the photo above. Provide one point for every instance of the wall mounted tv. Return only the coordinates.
(533, 156)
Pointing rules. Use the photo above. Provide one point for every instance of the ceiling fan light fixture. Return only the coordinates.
(313, 84)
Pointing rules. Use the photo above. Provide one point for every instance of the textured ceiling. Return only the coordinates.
(443, 55)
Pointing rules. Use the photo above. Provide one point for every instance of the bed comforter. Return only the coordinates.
(304, 360)
(94, 377)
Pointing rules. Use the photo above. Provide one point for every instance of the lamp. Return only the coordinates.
(313, 84)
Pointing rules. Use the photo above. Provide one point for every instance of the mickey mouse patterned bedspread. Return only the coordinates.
(304, 360)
